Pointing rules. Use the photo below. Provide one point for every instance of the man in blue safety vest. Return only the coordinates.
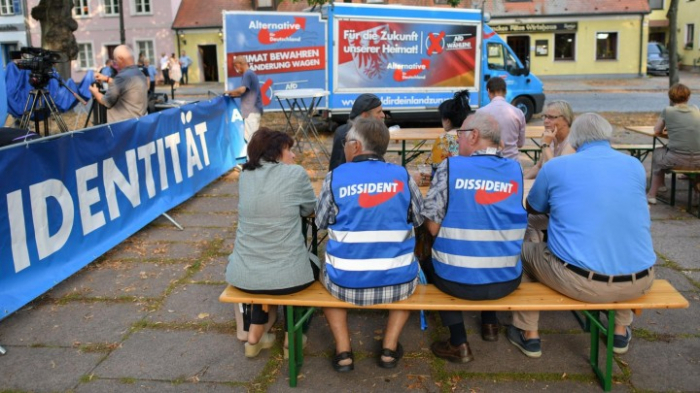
(475, 210)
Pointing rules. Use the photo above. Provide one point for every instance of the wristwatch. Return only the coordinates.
(544, 145)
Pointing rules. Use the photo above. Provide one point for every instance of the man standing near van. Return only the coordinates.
(249, 91)
(511, 120)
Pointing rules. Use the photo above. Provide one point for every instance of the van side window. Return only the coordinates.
(496, 58)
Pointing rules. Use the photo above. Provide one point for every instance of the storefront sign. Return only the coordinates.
(536, 28)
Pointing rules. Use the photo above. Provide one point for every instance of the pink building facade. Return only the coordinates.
(147, 26)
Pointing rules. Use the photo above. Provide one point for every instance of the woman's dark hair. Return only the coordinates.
(266, 145)
(456, 109)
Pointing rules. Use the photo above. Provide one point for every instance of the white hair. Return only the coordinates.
(589, 127)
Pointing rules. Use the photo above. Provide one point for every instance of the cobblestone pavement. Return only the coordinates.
(146, 317)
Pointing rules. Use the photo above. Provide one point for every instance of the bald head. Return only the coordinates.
(240, 63)
(124, 56)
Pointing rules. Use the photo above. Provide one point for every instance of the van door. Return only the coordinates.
(502, 63)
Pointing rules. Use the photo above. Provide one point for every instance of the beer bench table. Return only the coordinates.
(528, 297)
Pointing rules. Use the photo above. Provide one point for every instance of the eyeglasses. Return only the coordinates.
(464, 130)
(348, 141)
(550, 117)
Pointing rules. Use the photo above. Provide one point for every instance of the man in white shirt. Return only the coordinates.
(164, 68)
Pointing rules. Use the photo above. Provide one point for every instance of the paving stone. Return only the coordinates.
(679, 280)
(660, 366)
(169, 355)
(366, 332)
(66, 325)
(502, 385)
(662, 211)
(44, 369)
(140, 279)
(682, 250)
(155, 251)
(111, 386)
(675, 228)
(210, 204)
(561, 353)
(223, 187)
(672, 321)
(317, 375)
(693, 275)
(169, 233)
(194, 303)
(213, 270)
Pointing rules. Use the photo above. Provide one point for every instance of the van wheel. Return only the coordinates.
(525, 105)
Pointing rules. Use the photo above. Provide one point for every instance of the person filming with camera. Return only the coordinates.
(127, 95)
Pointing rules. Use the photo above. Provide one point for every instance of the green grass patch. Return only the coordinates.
(204, 325)
(648, 335)
(87, 378)
(98, 347)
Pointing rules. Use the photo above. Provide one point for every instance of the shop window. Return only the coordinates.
(656, 4)
(689, 34)
(564, 46)
(606, 46)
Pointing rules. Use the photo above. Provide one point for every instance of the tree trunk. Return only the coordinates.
(57, 27)
(672, 16)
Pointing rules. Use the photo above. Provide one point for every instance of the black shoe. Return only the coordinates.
(396, 355)
(458, 354)
(340, 357)
(489, 331)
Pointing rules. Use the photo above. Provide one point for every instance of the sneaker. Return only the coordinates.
(621, 344)
(266, 341)
(652, 201)
(458, 354)
(531, 348)
(238, 168)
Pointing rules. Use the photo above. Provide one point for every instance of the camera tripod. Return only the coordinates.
(41, 105)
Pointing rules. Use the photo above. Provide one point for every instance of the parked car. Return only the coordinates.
(657, 58)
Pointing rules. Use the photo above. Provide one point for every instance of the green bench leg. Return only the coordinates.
(296, 316)
(609, 332)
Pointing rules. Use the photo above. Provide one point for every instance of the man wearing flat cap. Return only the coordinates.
(366, 106)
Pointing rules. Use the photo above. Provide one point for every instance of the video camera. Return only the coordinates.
(39, 62)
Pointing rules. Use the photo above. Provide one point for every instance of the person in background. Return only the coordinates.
(599, 247)
(511, 120)
(164, 68)
(175, 71)
(452, 113)
(682, 122)
(479, 234)
(269, 254)
(185, 63)
(151, 76)
(127, 95)
(369, 256)
(108, 70)
(249, 91)
(365, 106)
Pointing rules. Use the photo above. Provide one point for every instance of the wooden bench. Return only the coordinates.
(693, 177)
(532, 151)
(639, 151)
(528, 297)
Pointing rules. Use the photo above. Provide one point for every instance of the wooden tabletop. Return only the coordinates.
(645, 130)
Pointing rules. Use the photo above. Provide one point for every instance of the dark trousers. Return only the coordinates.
(152, 87)
(166, 76)
(254, 314)
(468, 292)
(185, 79)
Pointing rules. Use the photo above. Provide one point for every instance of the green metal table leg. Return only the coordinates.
(296, 316)
(596, 326)
(403, 153)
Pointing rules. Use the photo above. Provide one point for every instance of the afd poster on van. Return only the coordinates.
(286, 50)
(404, 56)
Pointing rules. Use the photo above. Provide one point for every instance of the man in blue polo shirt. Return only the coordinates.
(599, 247)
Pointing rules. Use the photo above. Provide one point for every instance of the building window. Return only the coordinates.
(80, 8)
(145, 48)
(374, 1)
(440, 2)
(7, 7)
(689, 34)
(111, 7)
(565, 46)
(142, 7)
(85, 57)
(656, 4)
(606, 46)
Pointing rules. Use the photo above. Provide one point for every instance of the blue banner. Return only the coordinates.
(286, 50)
(3, 97)
(66, 200)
